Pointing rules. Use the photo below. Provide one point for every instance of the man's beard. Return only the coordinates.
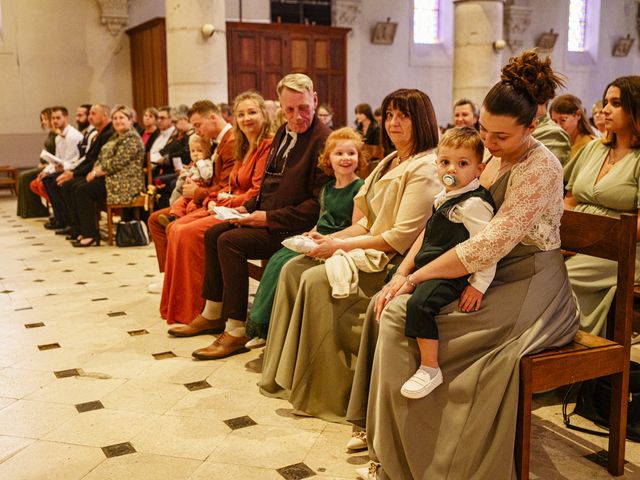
(83, 125)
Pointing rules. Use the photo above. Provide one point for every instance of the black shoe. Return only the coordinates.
(63, 231)
(72, 236)
(50, 225)
(94, 241)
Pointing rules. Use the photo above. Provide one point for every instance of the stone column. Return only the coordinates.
(196, 66)
(476, 64)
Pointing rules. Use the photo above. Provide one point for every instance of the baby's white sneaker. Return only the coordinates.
(422, 383)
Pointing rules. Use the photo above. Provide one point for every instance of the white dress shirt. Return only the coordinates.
(159, 144)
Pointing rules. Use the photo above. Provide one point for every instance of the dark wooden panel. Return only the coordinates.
(272, 51)
(300, 55)
(321, 59)
(270, 83)
(337, 84)
(338, 54)
(148, 46)
(246, 50)
(247, 81)
(318, 51)
(321, 83)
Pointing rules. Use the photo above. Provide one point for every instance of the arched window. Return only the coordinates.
(577, 41)
(426, 22)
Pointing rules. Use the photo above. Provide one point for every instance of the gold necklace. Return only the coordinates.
(612, 159)
(398, 160)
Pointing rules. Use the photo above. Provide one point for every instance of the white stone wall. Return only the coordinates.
(588, 74)
(54, 52)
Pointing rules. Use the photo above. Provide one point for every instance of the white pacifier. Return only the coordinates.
(449, 180)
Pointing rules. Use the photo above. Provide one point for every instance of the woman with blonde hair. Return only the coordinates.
(184, 268)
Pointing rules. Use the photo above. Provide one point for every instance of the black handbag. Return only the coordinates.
(131, 234)
(593, 400)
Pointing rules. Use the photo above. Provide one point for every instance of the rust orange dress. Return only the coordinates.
(184, 268)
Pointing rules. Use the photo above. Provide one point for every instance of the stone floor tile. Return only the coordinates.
(183, 437)
(18, 383)
(212, 470)
(102, 427)
(27, 418)
(216, 403)
(144, 395)
(9, 446)
(77, 389)
(264, 446)
(144, 466)
(51, 461)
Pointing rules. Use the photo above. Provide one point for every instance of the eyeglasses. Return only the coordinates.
(269, 170)
(281, 154)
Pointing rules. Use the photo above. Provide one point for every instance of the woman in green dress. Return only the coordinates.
(606, 181)
(342, 158)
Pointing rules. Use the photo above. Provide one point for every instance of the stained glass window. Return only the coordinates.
(426, 21)
(577, 25)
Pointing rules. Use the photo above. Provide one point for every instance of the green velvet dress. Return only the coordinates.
(336, 210)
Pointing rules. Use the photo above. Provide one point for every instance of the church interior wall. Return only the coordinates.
(54, 52)
(57, 52)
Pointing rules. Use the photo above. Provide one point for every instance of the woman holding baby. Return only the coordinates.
(466, 427)
(181, 300)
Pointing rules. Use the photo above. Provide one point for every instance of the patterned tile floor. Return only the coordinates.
(91, 387)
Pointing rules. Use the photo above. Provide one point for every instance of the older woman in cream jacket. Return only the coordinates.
(313, 338)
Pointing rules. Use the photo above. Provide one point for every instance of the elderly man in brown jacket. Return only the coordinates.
(286, 205)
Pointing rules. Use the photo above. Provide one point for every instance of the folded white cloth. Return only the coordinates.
(342, 269)
(299, 243)
(226, 213)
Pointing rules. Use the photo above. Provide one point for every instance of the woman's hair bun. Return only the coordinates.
(532, 76)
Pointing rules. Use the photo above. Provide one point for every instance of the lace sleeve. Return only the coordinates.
(532, 208)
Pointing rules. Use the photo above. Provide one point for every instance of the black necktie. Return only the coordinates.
(278, 164)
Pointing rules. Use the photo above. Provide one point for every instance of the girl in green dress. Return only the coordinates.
(342, 157)
(606, 181)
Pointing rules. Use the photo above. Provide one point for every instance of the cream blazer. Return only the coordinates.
(398, 204)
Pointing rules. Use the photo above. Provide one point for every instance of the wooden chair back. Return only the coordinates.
(375, 153)
(589, 356)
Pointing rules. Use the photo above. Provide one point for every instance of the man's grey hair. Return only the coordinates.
(105, 109)
(298, 82)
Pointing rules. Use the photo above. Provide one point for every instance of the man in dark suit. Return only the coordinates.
(100, 118)
(286, 205)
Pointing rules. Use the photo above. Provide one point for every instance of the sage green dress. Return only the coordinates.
(594, 279)
(336, 212)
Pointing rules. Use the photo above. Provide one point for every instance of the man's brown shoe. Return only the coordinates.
(223, 346)
(198, 326)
